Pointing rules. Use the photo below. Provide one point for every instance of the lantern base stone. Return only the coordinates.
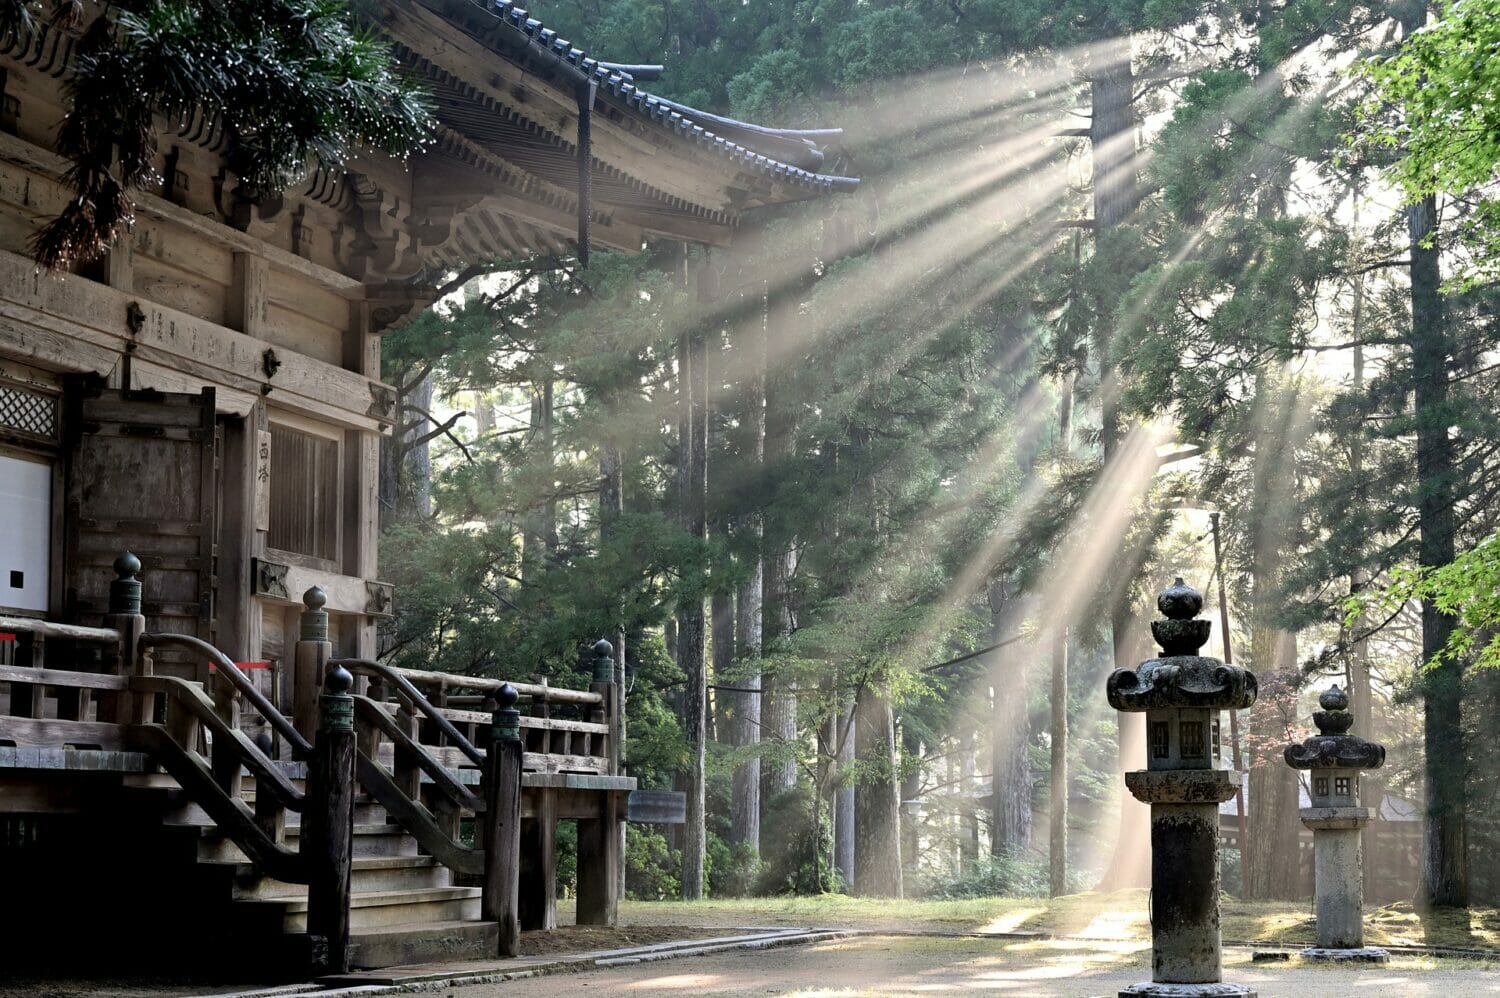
(1157, 989)
(1365, 954)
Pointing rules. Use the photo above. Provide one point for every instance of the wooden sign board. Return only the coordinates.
(262, 479)
(657, 807)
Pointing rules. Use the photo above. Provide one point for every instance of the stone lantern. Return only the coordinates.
(1181, 694)
(1335, 816)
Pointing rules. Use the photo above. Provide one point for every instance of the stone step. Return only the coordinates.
(369, 873)
(370, 839)
(374, 839)
(405, 943)
(375, 909)
(190, 815)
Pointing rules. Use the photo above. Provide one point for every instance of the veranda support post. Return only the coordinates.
(599, 837)
(1181, 694)
(502, 836)
(329, 838)
(327, 842)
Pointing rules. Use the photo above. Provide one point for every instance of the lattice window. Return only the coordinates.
(1341, 786)
(1320, 786)
(1192, 740)
(1159, 740)
(304, 494)
(28, 412)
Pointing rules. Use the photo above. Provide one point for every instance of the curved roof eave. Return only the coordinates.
(521, 34)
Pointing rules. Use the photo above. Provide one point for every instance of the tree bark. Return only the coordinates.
(1057, 814)
(877, 838)
(779, 703)
(843, 825)
(1112, 123)
(1267, 867)
(1271, 794)
(691, 624)
(1445, 865)
(744, 825)
(1011, 734)
(721, 609)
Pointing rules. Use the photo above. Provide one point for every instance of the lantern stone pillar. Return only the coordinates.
(1181, 694)
(1334, 758)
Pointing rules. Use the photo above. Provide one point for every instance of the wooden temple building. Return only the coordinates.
(208, 397)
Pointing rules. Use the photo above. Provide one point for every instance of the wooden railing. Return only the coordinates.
(39, 696)
(567, 731)
(449, 765)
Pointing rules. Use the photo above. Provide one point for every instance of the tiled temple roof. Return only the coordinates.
(790, 156)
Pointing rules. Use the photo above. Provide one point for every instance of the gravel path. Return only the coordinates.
(886, 965)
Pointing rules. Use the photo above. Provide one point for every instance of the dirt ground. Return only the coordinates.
(886, 965)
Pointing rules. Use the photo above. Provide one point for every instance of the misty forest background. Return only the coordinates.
(871, 502)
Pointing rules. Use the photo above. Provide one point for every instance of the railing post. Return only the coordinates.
(125, 617)
(599, 837)
(502, 834)
(310, 662)
(608, 711)
(327, 842)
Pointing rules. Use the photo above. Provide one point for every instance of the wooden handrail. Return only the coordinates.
(369, 712)
(229, 813)
(413, 696)
(537, 692)
(301, 748)
(267, 773)
(415, 818)
(61, 632)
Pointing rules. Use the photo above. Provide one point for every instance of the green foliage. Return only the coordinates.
(1015, 875)
(733, 868)
(1437, 101)
(1468, 589)
(294, 83)
(793, 845)
(650, 865)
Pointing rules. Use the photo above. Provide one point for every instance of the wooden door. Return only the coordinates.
(142, 475)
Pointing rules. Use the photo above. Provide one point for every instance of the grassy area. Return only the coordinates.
(1121, 915)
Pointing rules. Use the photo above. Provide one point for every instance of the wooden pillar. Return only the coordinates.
(310, 661)
(502, 823)
(328, 842)
(538, 889)
(361, 354)
(599, 847)
(599, 864)
(226, 756)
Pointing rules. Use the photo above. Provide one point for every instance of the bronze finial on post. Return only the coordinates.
(125, 589)
(327, 842)
(501, 901)
(313, 622)
(310, 661)
(125, 618)
(1336, 818)
(1181, 694)
(604, 661)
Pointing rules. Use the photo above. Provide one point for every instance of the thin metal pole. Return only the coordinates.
(1234, 715)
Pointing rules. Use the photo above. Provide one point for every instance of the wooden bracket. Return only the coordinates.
(380, 599)
(268, 578)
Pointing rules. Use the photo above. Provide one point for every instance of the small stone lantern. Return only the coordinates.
(1335, 816)
(1181, 694)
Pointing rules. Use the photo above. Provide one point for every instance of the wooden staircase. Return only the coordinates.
(222, 815)
(405, 907)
